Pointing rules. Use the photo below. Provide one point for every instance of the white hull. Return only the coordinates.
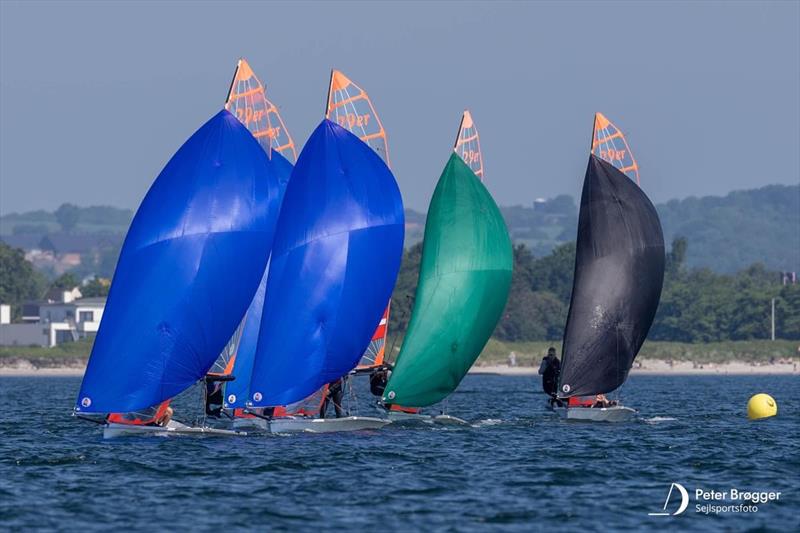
(240, 423)
(311, 425)
(616, 413)
(174, 427)
(446, 420)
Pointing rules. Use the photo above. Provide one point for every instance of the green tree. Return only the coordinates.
(554, 273)
(405, 290)
(65, 281)
(96, 287)
(18, 279)
(67, 216)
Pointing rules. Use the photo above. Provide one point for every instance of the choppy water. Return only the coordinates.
(517, 468)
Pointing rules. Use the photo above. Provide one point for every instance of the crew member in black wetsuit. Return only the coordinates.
(378, 379)
(335, 394)
(549, 370)
(213, 398)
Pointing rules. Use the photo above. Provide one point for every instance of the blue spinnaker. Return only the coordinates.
(327, 287)
(236, 391)
(192, 260)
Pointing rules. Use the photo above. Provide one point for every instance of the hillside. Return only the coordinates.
(727, 233)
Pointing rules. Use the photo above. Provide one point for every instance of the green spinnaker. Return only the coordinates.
(464, 280)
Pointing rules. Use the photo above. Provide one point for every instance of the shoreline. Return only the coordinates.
(652, 367)
(659, 367)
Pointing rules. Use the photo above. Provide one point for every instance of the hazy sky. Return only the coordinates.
(95, 97)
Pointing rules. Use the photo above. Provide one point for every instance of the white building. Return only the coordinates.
(58, 322)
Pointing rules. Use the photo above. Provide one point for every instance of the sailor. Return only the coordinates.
(164, 419)
(213, 398)
(549, 370)
(378, 379)
(601, 401)
(334, 394)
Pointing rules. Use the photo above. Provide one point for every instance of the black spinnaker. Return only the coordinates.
(619, 273)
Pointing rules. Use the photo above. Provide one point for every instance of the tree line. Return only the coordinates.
(697, 304)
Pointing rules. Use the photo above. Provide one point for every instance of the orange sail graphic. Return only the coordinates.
(609, 144)
(468, 144)
(248, 102)
(350, 107)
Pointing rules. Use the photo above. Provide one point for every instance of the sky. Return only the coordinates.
(95, 97)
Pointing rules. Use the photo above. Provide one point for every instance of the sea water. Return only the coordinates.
(516, 467)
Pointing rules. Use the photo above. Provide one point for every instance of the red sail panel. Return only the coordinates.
(468, 145)
(609, 144)
(350, 106)
(376, 350)
(248, 102)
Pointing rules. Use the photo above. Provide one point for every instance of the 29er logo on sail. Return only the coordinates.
(350, 120)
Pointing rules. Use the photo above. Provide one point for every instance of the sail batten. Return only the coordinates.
(468, 144)
(610, 145)
(350, 107)
(247, 100)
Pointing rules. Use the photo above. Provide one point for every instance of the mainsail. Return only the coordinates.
(177, 296)
(609, 144)
(327, 287)
(247, 100)
(464, 281)
(351, 108)
(468, 144)
(619, 272)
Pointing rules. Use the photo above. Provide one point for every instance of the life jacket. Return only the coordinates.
(401, 409)
(147, 417)
(577, 401)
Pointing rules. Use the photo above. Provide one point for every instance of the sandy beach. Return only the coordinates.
(657, 367)
(660, 367)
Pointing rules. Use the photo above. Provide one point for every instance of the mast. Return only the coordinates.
(349, 106)
(610, 145)
(468, 144)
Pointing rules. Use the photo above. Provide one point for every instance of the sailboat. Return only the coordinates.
(349, 106)
(619, 273)
(247, 100)
(177, 297)
(464, 281)
(327, 288)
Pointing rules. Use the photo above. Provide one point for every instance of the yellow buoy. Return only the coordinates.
(761, 406)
